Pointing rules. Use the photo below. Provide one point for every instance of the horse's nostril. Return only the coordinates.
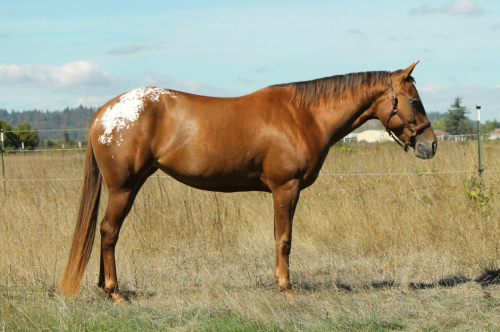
(434, 147)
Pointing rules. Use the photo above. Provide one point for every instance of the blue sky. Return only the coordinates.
(56, 54)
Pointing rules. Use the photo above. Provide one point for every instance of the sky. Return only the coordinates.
(58, 54)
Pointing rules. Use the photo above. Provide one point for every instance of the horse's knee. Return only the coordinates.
(109, 235)
(284, 246)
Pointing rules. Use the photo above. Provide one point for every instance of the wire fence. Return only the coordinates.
(76, 149)
(41, 130)
(321, 174)
(440, 137)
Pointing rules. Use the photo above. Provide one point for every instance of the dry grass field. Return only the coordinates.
(370, 252)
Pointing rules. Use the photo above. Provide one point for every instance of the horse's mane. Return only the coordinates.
(336, 88)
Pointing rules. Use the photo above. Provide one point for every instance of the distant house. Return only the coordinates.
(351, 137)
(441, 135)
(371, 136)
(495, 134)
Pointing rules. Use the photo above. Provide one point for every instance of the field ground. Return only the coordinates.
(412, 252)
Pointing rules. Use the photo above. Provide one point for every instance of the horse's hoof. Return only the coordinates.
(284, 286)
(119, 298)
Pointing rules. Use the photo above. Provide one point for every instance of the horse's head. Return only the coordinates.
(402, 112)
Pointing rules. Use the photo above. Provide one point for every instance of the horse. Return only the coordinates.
(274, 140)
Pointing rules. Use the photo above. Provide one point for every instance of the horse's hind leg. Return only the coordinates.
(120, 201)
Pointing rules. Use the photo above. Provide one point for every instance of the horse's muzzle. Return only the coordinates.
(425, 149)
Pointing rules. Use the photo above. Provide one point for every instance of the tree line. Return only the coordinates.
(69, 118)
(20, 121)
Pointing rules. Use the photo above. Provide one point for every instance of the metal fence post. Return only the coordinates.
(3, 164)
(480, 170)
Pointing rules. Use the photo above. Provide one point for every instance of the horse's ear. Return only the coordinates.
(407, 72)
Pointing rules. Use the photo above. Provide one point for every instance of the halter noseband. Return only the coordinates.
(395, 111)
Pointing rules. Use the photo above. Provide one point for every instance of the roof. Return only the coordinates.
(496, 131)
(440, 132)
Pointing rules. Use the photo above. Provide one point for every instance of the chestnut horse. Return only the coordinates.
(274, 139)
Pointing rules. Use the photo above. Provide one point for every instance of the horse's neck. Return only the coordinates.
(341, 118)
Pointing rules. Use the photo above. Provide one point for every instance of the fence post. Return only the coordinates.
(80, 146)
(24, 152)
(480, 170)
(3, 165)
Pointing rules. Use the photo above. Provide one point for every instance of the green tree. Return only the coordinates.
(26, 136)
(11, 141)
(490, 126)
(64, 138)
(456, 122)
(439, 124)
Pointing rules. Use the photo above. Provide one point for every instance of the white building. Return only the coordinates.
(495, 134)
(350, 137)
(371, 136)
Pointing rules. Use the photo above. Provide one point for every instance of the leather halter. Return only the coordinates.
(395, 111)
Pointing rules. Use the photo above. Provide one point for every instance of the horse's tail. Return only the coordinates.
(83, 239)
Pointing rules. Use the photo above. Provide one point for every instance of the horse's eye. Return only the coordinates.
(414, 102)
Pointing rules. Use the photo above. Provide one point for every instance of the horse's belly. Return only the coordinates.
(223, 182)
(214, 172)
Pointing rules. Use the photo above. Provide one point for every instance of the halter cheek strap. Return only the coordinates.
(395, 111)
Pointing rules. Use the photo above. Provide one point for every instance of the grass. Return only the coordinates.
(369, 253)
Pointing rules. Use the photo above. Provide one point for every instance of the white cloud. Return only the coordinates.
(463, 7)
(186, 85)
(457, 7)
(72, 74)
(497, 86)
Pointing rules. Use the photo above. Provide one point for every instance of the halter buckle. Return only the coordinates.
(392, 95)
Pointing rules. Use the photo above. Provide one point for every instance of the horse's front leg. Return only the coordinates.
(285, 198)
